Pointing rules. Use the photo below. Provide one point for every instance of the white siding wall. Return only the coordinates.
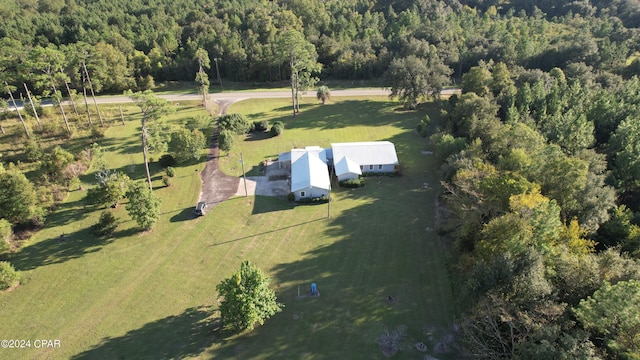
(376, 168)
(347, 176)
(311, 192)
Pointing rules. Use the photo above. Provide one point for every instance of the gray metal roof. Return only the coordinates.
(366, 153)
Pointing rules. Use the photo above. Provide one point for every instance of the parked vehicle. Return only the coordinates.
(201, 209)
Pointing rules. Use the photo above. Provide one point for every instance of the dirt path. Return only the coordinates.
(216, 186)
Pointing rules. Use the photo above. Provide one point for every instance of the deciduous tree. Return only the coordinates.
(412, 78)
(18, 201)
(186, 145)
(246, 299)
(612, 312)
(143, 206)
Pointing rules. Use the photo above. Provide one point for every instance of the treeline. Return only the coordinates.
(540, 195)
(133, 44)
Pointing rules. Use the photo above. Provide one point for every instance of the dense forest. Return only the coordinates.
(539, 154)
(142, 42)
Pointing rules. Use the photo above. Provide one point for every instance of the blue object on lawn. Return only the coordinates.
(314, 290)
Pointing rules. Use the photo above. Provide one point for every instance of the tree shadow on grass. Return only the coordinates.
(68, 212)
(265, 204)
(174, 337)
(183, 215)
(256, 136)
(59, 249)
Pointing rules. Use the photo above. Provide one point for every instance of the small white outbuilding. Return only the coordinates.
(347, 169)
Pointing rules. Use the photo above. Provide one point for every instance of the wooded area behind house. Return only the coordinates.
(539, 154)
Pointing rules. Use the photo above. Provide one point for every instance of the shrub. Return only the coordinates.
(97, 132)
(8, 275)
(5, 235)
(236, 123)
(277, 128)
(291, 196)
(352, 183)
(166, 180)
(259, 126)
(421, 128)
(171, 172)
(32, 150)
(200, 122)
(315, 200)
(226, 140)
(167, 160)
(106, 225)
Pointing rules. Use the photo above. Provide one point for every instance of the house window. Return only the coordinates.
(361, 167)
(370, 167)
(301, 193)
(379, 167)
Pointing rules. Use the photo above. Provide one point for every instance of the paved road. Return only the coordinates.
(233, 96)
(243, 95)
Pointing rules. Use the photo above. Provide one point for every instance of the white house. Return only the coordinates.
(371, 157)
(309, 174)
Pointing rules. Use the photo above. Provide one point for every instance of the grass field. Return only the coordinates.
(152, 295)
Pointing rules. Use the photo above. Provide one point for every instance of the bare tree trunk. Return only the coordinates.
(33, 107)
(144, 152)
(297, 103)
(93, 95)
(64, 115)
(13, 101)
(121, 114)
(73, 103)
(293, 94)
(86, 104)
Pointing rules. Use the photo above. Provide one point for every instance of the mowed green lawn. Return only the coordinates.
(152, 295)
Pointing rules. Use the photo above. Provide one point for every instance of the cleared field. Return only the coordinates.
(152, 295)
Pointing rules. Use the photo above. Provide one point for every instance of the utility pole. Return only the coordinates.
(246, 194)
(218, 72)
(329, 201)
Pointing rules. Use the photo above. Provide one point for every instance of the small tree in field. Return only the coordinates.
(226, 140)
(143, 206)
(106, 225)
(8, 275)
(245, 298)
(187, 145)
(323, 94)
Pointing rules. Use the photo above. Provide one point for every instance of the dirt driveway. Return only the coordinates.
(216, 186)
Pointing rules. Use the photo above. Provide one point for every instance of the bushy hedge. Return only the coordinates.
(277, 128)
(259, 126)
(236, 123)
(167, 160)
(373, 173)
(352, 183)
(316, 200)
(8, 275)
